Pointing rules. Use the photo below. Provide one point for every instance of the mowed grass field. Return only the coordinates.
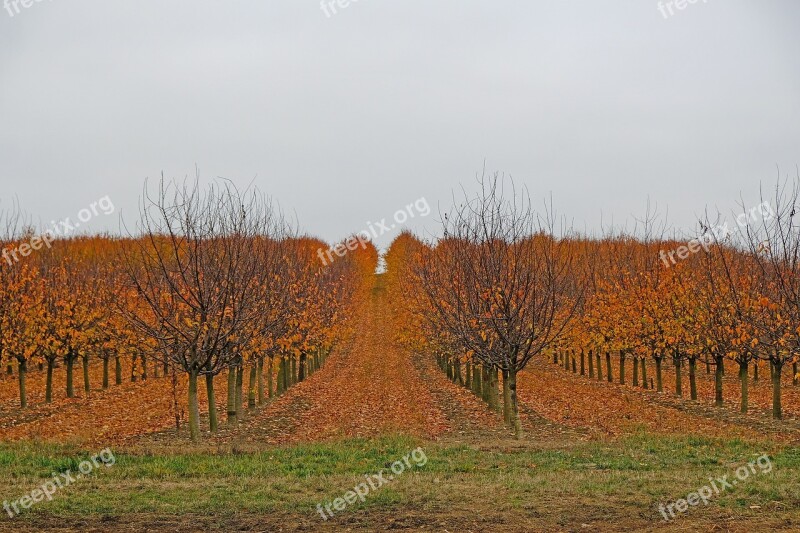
(499, 486)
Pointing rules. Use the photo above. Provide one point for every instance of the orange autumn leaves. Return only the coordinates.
(216, 281)
(724, 304)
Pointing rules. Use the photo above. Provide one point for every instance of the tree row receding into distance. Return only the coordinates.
(213, 281)
(503, 284)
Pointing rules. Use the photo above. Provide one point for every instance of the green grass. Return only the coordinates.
(633, 474)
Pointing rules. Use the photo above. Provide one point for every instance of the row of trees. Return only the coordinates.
(503, 284)
(729, 302)
(496, 290)
(212, 280)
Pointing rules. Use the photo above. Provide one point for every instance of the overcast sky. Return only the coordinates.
(347, 117)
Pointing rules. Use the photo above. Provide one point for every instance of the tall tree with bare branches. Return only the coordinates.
(509, 291)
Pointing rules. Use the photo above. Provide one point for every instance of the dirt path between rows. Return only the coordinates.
(365, 389)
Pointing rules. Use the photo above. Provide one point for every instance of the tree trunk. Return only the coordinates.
(777, 410)
(659, 382)
(476, 379)
(743, 378)
(609, 372)
(718, 399)
(270, 378)
(599, 366)
(485, 383)
(281, 384)
(118, 370)
(494, 389)
(468, 374)
(591, 364)
(144, 366)
(644, 373)
(512, 385)
(251, 389)
(70, 383)
(301, 371)
(260, 371)
(105, 373)
(506, 399)
(635, 371)
(493, 392)
(755, 373)
(583, 363)
(231, 404)
(175, 408)
(86, 388)
(194, 409)
(239, 387)
(693, 378)
(23, 372)
(678, 378)
(622, 367)
(48, 391)
(293, 379)
(213, 424)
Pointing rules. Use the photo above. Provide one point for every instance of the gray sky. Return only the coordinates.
(348, 118)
